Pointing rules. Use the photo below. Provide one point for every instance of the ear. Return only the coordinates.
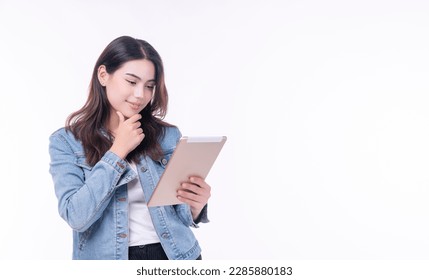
(102, 75)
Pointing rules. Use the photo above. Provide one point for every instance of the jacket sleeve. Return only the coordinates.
(82, 199)
(185, 214)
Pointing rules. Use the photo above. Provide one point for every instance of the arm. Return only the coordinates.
(82, 196)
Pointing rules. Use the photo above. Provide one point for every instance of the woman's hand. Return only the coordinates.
(195, 193)
(128, 135)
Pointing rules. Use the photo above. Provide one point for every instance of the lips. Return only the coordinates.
(134, 105)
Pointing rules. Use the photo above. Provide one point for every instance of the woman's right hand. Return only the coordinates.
(128, 135)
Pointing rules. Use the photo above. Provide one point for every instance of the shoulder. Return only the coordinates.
(58, 132)
(62, 133)
(170, 137)
(64, 137)
(172, 132)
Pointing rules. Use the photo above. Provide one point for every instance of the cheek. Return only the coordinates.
(116, 93)
(114, 99)
(148, 97)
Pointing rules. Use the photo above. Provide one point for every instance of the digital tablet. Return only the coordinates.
(193, 156)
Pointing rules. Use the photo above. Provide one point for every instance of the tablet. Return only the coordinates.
(193, 156)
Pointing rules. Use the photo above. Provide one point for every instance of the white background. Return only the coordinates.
(324, 104)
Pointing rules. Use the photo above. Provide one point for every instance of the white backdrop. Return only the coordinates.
(324, 104)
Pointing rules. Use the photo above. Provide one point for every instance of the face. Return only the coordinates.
(130, 88)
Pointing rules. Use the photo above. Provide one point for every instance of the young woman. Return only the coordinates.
(107, 160)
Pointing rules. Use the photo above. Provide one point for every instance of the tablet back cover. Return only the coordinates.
(193, 156)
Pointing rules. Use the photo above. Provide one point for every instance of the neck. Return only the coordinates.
(113, 123)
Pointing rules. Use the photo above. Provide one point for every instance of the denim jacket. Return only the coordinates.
(93, 200)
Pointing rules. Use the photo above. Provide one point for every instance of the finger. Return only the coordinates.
(188, 201)
(190, 197)
(134, 118)
(192, 188)
(199, 181)
(194, 193)
(121, 117)
(136, 125)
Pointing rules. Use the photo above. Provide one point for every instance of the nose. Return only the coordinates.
(138, 92)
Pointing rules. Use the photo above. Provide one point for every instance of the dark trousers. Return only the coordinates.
(148, 252)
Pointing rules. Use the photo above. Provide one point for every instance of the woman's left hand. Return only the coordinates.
(195, 193)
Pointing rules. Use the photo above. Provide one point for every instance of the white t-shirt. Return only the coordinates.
(141, 230)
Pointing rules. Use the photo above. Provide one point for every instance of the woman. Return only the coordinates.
(107, 160)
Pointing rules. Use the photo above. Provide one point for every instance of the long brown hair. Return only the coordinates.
(88, 124)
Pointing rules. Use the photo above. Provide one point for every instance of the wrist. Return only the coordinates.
(118, 152)
(195, 213)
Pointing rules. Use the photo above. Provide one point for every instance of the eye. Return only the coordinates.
(131, 82)
(150, 86)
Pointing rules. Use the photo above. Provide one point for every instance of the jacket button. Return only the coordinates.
(122, 199)
(122, 235)
(164, 235)
(164, 161)
(143, 169)
(120, 165)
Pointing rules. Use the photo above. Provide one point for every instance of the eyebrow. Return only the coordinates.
(137, 77)
(133, 75)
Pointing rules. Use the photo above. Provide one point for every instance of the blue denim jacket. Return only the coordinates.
(93, 200)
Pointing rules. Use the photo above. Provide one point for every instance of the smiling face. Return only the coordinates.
(130, 88)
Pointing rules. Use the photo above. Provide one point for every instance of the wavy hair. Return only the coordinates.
(88, 124)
